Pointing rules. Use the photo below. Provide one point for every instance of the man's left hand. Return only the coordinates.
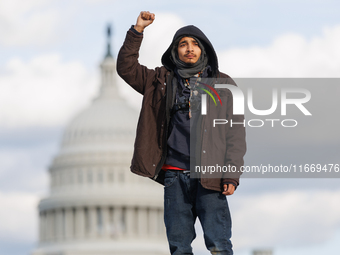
(228, 189)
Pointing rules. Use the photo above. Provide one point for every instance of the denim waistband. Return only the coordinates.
(186, 172)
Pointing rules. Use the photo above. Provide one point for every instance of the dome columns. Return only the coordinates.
(104, 222)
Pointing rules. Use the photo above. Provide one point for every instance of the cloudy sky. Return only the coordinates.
(50, 51)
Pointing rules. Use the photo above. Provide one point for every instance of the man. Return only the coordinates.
(168, 118)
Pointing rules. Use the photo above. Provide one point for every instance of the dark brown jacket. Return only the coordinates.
(221, 145)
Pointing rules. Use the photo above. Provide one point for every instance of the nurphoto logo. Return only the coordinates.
(239, 105)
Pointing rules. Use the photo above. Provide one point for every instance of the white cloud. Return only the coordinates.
(18, 214)
(44, 91)
(292, 218)
(289, 55)
(28, 22)
(29, 166)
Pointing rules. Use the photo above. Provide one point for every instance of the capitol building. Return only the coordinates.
(96, 206)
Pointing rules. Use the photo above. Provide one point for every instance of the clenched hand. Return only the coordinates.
(144, 19)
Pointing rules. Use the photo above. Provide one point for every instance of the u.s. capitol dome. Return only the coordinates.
(96, 206)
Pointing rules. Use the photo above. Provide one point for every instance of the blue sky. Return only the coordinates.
(50, 52)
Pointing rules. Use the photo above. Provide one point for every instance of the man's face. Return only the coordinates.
(188, 50)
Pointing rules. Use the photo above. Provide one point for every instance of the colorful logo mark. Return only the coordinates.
(209, 93)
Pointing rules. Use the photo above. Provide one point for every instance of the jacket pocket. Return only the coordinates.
(158, 94)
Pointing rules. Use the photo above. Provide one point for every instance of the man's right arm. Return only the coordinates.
(128, 67)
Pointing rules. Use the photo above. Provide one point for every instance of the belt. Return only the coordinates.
(186, 172)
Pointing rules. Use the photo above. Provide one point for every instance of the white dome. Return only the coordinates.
(105, 125)
(105, 114)
(97, 145)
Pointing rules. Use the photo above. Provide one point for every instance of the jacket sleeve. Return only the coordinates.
(136, 75)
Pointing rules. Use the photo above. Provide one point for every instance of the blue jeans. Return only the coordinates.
(184, 200)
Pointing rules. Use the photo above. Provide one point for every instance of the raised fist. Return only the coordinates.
(144, 19)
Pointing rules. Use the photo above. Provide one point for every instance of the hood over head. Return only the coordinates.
(191, 31)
